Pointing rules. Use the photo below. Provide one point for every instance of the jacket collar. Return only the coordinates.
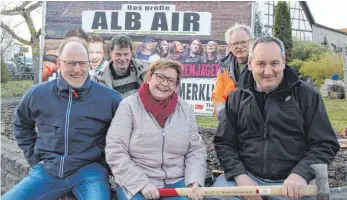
(227, 60)
(290, 79)
(64, 86)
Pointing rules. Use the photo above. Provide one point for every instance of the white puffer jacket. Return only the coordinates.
(139, 151)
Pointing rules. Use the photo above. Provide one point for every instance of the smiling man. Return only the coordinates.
(96, 50)
(232, 66)
(123, 73)
(274, 127)
(66, 151)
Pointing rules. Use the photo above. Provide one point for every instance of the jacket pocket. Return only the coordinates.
(85, 135)
(50, 133)
(292, 122)
(246, 124)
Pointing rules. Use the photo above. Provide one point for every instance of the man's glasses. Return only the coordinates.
(242, 43)
(72, 64)
(161, 78)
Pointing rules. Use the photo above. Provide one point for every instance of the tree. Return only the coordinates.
(283, 26)
(24, 9)
(258, 25)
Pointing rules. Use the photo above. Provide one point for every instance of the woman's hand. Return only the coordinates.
(194, 192)
(150, 191)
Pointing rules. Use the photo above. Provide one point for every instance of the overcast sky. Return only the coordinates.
(330, 13)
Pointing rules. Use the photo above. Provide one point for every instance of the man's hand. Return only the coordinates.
(245, 180)
(220, 114)
(293, 186)
(150, 191)
(193, 194)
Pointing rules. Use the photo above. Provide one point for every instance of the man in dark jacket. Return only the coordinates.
(72, 115)
(274, 126)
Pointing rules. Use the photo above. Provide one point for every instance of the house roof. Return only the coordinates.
(307, 12)
(343, 30)
(311, 20)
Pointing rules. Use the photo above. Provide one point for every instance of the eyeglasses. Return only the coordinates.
(243, 43)
(161, 78)
(72, 64)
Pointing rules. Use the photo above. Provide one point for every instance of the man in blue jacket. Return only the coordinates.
(72, 115)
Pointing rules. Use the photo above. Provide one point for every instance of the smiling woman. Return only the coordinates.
(166, 150)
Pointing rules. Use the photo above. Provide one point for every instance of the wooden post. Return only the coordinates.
(344, 55)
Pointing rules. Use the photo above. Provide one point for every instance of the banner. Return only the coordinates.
(198, 92)
(155, 24)
(147, 22)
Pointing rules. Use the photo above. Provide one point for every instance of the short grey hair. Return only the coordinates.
(266, 39)
(238, 27)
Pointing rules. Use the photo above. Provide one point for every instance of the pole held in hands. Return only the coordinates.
(234, 191)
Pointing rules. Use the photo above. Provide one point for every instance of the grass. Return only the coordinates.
(337, 112)
(336, 108)
(13, 89)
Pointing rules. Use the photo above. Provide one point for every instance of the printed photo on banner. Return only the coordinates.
(157, 31)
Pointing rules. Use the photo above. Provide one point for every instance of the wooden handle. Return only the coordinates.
(234, 191)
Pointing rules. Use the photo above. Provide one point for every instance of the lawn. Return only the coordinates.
(336, 108)
(14, 89)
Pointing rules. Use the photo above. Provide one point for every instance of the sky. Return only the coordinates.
(330, 13)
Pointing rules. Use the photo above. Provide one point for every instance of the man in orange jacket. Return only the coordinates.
(231, 67)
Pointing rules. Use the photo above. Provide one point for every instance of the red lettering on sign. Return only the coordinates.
(199, 106)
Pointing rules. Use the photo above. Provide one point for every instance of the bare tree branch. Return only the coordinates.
(15, 26)
(33, 7)
(29, 23)
(3, 50)
(14, 35)
(16, 10)
(3, 35)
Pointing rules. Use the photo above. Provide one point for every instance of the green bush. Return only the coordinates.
(296, 64)
(303, 50)
(321, 67)
(5, 75)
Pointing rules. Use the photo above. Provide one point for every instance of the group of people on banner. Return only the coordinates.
(125, 121)
(149, 50)
(191, 52)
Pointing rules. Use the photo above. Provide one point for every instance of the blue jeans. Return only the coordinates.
(90, 182)
(139, 196)
(222, 182)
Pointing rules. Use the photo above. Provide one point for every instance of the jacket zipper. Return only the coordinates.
(66, 135)
(162, 153)
(264, 134)
(266, 140)
(162, 149)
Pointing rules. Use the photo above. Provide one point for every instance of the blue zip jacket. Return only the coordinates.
(71, 124)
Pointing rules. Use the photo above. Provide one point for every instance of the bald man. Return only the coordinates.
(67, 151)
